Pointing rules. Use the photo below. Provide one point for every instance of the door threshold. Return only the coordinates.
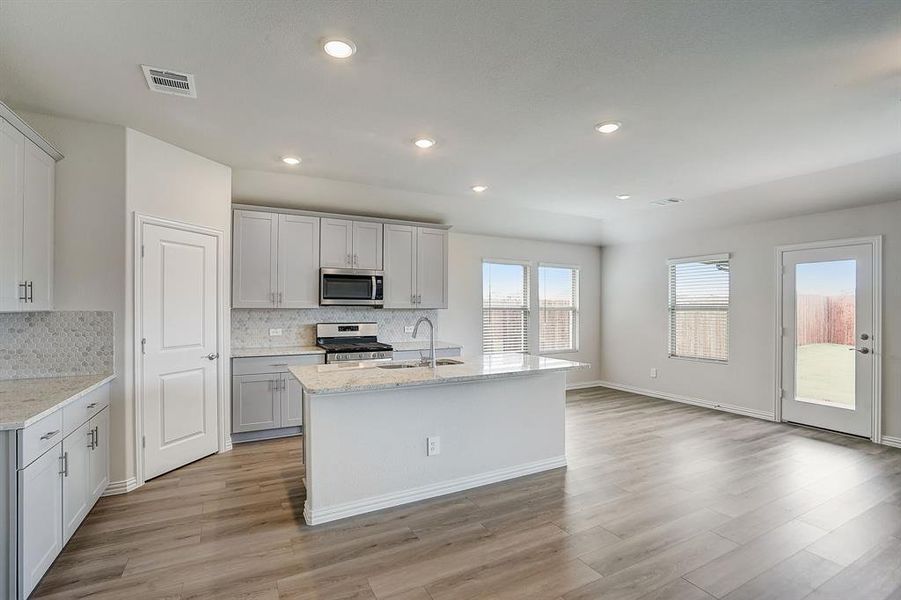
(815, 428)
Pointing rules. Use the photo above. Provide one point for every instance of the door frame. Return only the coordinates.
(875, 243)
(224, 417)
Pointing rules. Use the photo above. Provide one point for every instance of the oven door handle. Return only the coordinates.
(373, 287)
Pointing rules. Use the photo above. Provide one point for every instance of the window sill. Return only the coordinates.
(708, 361)
(555, 352)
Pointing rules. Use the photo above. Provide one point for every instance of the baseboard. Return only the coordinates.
(731, 408)
(228, 444)
(120, 487)
(265, 434)
(584, 385)
(890, 440)
(358, 507)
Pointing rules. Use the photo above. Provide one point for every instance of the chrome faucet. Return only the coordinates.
(431, 338)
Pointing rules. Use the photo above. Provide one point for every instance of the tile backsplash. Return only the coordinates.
(53, 344)
(250, 327)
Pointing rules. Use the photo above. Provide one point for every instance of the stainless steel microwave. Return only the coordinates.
(351, 287)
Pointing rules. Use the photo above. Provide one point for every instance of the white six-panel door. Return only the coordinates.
(180, 362)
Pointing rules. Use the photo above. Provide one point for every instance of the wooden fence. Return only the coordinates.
(825, 320)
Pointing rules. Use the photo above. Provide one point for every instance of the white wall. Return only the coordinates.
(168, 182)
(89, 264)
(462, 321)
(634, 316)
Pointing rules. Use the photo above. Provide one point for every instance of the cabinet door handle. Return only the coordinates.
(279, 297)
(91, 439)
(49, 434)
(65, 471)
(97, 436)
(91, 405)
(31, 292)
(24, 294)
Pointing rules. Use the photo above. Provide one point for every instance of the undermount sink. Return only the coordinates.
(441, 362)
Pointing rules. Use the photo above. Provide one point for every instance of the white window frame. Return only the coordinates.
(576, 309)
(669, 309)
(528, 310)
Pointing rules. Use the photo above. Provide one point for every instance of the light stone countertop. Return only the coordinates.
(276, 351)
(366, 376)
(24, 401)
(413, 345)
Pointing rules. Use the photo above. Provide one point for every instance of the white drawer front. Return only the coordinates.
(39, 437)
(273, 364)
(84, 408)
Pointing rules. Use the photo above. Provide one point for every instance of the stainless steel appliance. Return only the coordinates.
(351, 287)
(345, 342)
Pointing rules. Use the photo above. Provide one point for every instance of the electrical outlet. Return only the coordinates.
(434, 445)
(654, 373)
(408, 329)
(275, 332)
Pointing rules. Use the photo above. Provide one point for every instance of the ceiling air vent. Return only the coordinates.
(170, 82)
(666, 201)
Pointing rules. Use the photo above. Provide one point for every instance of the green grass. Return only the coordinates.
(825, 373)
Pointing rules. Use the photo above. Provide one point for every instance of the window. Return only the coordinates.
(699, 308)
(505, 307)
(558, 308)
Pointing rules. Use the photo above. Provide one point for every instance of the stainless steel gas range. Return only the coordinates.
(345, 342)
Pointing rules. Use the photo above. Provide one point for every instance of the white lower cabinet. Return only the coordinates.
(265, 395)
(55, 486)
(98, 466)
(40, 518)
(77, 500)
(255, 402)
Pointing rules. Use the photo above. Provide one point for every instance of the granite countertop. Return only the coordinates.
(276, 351)
(24, 401)
(366, 376)
(412, 345)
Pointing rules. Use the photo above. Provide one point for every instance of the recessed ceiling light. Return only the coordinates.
(608, 126)
(479, 188)
(424, 142)
(337, 48)
(623, 196)
(291, 160)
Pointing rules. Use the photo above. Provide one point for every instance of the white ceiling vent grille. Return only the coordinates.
(165, 81)
(666, 201)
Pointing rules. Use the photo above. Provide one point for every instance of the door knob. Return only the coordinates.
(861, 350)
(211, 356)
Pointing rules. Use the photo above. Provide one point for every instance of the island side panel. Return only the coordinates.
(367, 450)
(8, 513)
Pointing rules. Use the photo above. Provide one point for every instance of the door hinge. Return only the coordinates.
(142, 250)
(781, 394)
(143, 441)
(143, 345)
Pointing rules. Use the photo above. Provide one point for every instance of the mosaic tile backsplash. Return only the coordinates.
(250, 327)
(55, 344)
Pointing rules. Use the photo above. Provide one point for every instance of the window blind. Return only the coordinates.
(558, 306)
(505, 307)
(699, 308)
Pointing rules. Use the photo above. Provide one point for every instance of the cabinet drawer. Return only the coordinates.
(84, 408)
(273, 364)
(39, 437)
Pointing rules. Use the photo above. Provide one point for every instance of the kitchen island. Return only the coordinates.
(384, 434)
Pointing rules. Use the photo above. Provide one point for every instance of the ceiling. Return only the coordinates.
(746, 110)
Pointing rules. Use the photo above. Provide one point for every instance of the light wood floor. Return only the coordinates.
(659, 501)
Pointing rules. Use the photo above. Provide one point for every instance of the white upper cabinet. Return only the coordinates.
(37, 227)
(336, 243)
(26, 219)
(431, 268)
(367, 245)
(298, 261)
(12, 190)
(415, 267)
(347, 244)
(400, 266)
(255, 246)
(276, 260)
